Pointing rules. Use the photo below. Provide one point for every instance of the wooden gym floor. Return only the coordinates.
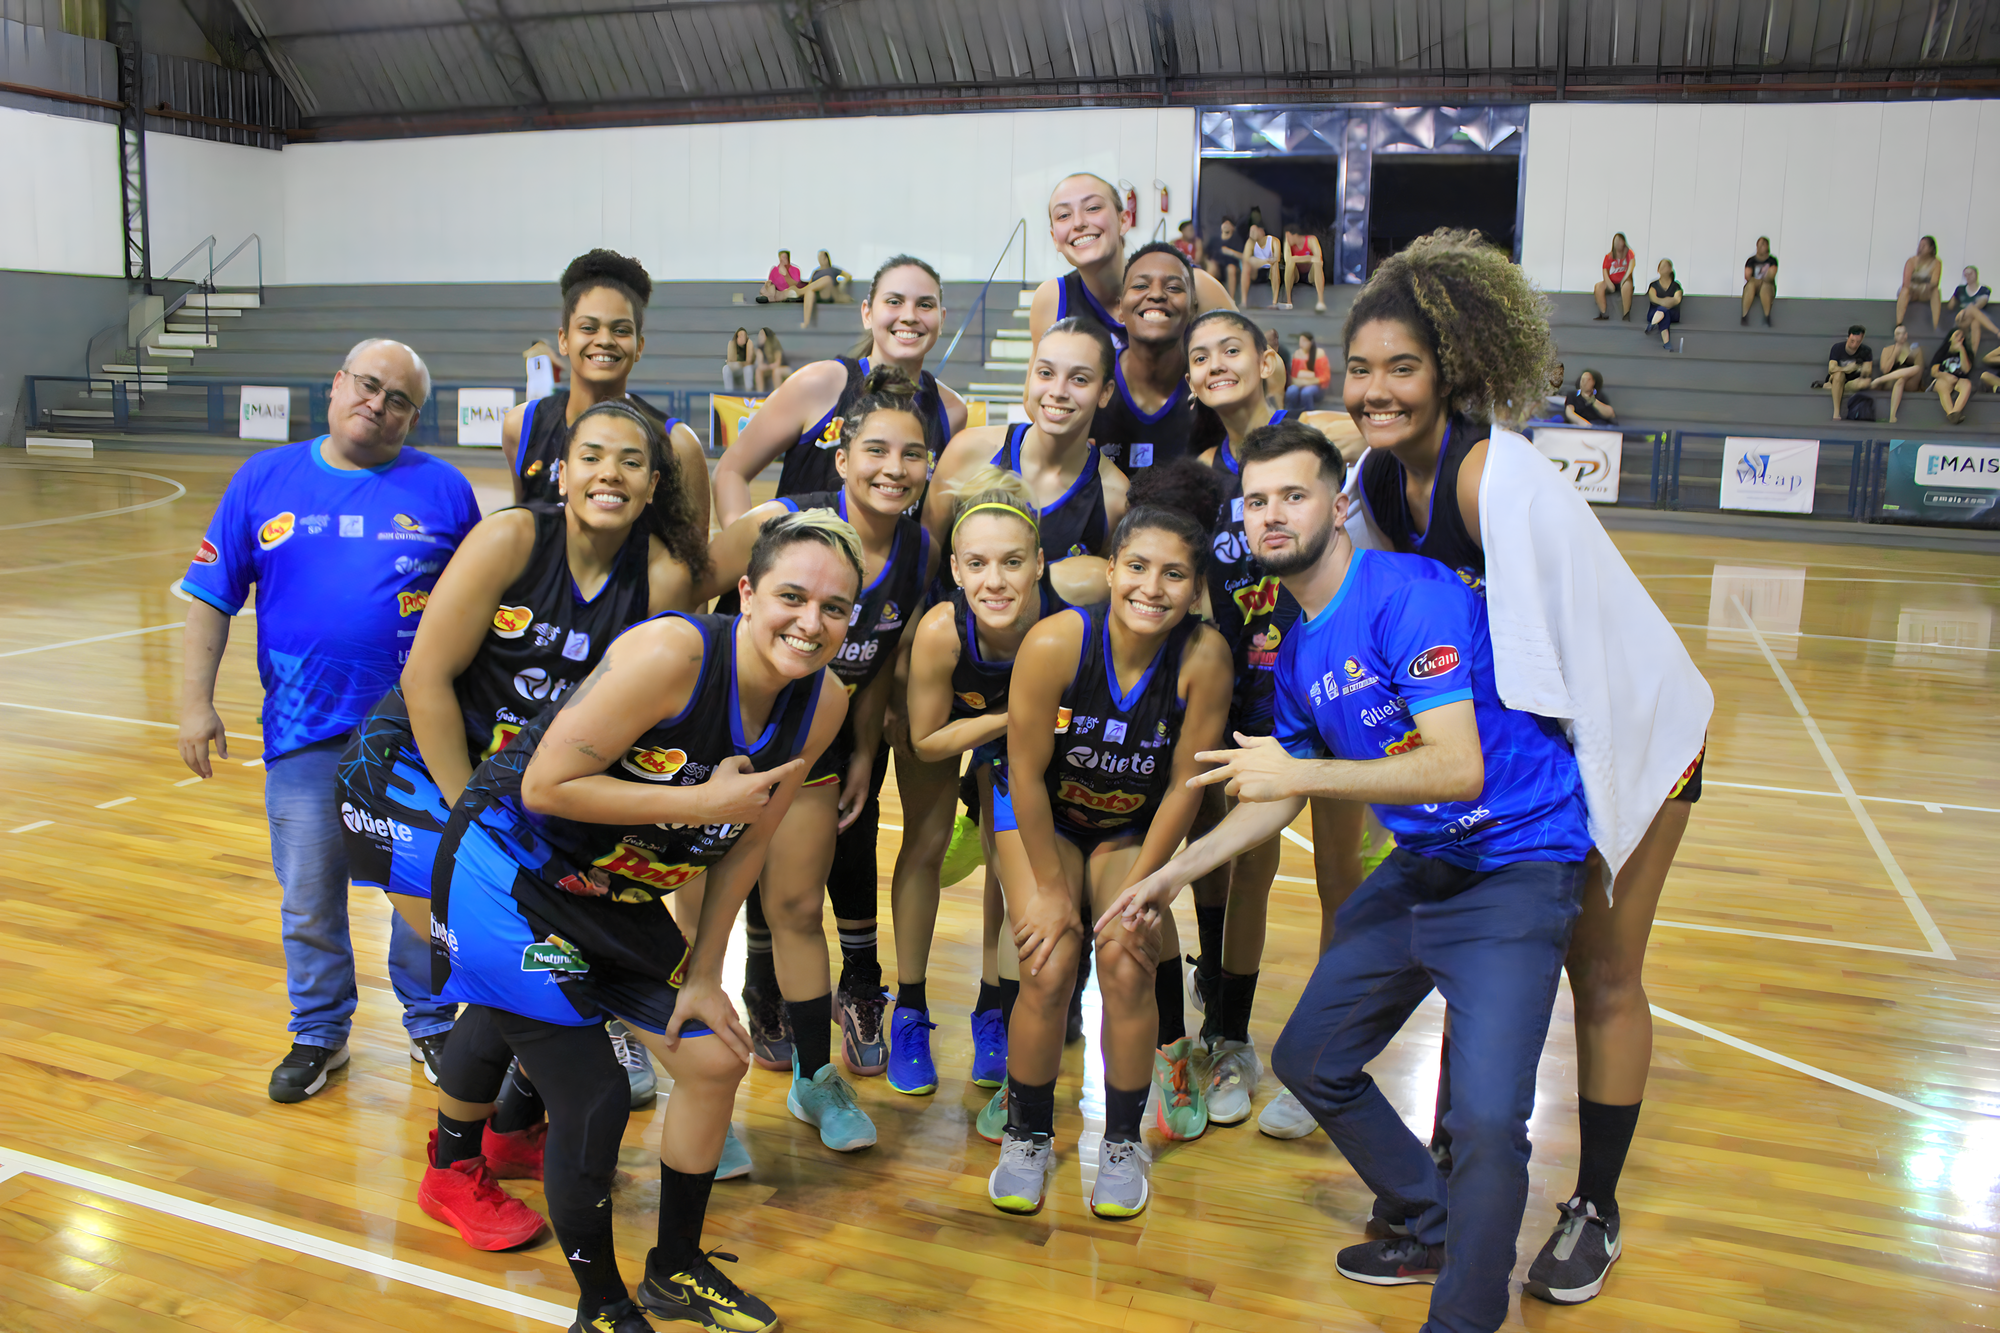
(1820, 1148)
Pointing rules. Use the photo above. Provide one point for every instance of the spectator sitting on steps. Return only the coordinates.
(1760, 280)
(1952, 372)
(1850, 367)
(782, 284)
(770, 367)
(738, 362)
(1223, 257)
(1973, 295)
(1923, 275)
(1586, 404)
(1311, 375)
(1618, 266)
(827, 283)
(1902, 367)
(1663, 305)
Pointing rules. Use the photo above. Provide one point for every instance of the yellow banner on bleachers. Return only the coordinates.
(728, 414)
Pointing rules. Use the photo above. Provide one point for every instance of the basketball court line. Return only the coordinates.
(1852, 638)
(129, 721)
(94, 560)
(1793, 569)
(1797, 1066)
(15, 1162)
(179, 491)
(1932, 806)
(95, 638)
(1860, 812)
(1810, 564)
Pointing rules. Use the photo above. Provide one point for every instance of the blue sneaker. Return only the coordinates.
(735, 1157)
(989, 1049)
(826, 1102)
(911, 1070)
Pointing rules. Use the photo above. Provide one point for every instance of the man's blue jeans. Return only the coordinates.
(302, 802)
(1493, 943)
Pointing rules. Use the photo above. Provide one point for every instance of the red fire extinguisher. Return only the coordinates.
(1131, 203)
(1163, 196)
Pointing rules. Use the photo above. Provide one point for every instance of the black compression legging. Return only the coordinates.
(589, 1102)
(851, 881)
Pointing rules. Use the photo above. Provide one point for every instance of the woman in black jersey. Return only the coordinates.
(1107, 707)
(827, 848)
(960, 663)
(1445, 334)
(674, 762)
(801, 421)
(1151, 416)
(602, 336)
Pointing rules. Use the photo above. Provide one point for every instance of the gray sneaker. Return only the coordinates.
(637, 1060)
(1124, 1172)
(1576, 1258)
(1022, 1178)
(1233, 1072)
(1285, 1117)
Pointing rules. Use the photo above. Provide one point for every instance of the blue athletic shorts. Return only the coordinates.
(391, 813)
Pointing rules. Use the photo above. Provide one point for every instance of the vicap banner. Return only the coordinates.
(1589, 458)
(1773, 476)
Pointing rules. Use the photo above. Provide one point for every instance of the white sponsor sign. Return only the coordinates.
(1775, 476)
(1972, 467)
(541, 377)
(481, 412)
(1589, 458)
(264, 414)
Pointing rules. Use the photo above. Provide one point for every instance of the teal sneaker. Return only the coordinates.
(965, 854)
(1180, 1111)
(911, 1070)
(826, 1102)
(992, 1119)
(735, 1157)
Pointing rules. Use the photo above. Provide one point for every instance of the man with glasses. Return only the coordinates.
(343, 537)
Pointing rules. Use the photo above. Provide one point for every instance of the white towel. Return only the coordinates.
(1576, 637)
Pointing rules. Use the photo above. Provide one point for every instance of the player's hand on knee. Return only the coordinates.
(703, 1004)
(1041, 926)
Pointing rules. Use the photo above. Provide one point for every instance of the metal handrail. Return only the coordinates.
(208, 244)
(253, 236)
(1020, 229)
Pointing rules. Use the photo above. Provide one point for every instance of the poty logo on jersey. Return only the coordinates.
(276, 530)
(503, 735)
(1258, 599)
(1436, 661)
(410, 603)
(511, 622)
(634, 864)
(408, 524)
(1062, 720)
(1409, 740)
(554, 954)
(972, 699)
(206, 554)
(655, 764)
(1072, 792)
(362, 821)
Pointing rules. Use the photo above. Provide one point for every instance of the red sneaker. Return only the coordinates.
(465, 1196)
(516, 1156)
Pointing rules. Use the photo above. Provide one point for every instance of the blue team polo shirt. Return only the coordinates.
(1403, 635)
(343, 562)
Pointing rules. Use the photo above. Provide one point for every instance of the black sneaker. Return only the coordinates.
(704, 1296)
(770, 1031)
(1391, 1263)
(303, 1072)
(623, 1317)
(429, 1052)
(1572, 1266)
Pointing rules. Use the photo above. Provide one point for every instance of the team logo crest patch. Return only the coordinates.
(1062, 720)
(830, 437)
(554, 954)
(973, 699)
(655, 765)
(1354, 668)
(278, 530)
(408, 524)
(511, 622)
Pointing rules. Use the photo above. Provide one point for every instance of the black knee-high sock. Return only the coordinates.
(1010, 991)
(457, 1141)
(989, 997)
(683, 1206)
(1607, 1137)
(910, 995)
(1208, 919)
(1231, 1005)
(760, 969)
(860, 965)
(1031, 1107)
(812, 1032)
(473, 1068)
(518, 1106)
(1123, 1113)
(1167, 996)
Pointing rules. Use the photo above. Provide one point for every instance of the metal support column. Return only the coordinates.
(132, 157)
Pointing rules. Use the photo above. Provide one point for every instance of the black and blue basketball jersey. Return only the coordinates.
(1446, 540)
(1137, 440)
(808, 465)
(545, 439)
(1077, 523)
(1074, 297)
(979, 687)
(1114, 751)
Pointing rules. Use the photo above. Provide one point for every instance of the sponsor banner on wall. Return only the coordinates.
(481, 413)
(1775, 476)
(1589, 458)
(1943, 483)
(264, 413)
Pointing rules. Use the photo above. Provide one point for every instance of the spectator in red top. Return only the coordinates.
(783, 282)
(1310, 376)
(1302, 252)
(1618, 266)
(1189, 244)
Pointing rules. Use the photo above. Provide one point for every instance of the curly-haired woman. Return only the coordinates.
(1446, 337)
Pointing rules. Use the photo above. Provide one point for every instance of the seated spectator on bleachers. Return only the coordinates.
(1302, 251)
(1260, 256)
(1987, 377)
(1760, 280)
(1850, 367)
(1972, 295)
(1311, 375)
(1901, 367)
(1952, 371)
(827, 283)
(1663, 304)
(1618, 266)
(739, 361)
(1552, 403)
(770, 367)
(1586, 404)
(782, 283)
(1277, 370)
(1923, 277)
(1190, 245)
(1224, 255)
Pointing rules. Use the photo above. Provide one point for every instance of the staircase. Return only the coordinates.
(1007, 357)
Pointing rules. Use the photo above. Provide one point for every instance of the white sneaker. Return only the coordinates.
(1233, 1072)
(1285, 1117)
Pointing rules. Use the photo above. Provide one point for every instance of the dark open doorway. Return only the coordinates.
(1303, 191)
(1413, 195)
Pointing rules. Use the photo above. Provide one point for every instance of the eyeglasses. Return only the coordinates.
(398, 402)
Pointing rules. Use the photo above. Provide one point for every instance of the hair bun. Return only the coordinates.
(1184, 486)
(609, 264)
(888, 381)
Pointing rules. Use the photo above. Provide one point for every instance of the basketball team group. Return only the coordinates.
(1113, 651)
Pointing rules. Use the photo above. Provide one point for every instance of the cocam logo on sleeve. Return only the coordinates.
(1434, 661)
(206, 554)
(1062, 720)
(275, 531)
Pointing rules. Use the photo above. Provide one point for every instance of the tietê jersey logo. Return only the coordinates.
(655, 764)
(206, 554)
(511, 622)
(411, 603)
(1436, 661)
(276, 530)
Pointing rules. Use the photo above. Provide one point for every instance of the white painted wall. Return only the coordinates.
(198, 189)
(59, 209)
(1842, 189)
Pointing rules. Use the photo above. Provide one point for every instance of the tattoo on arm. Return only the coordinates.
(590, 683)
(584, 747)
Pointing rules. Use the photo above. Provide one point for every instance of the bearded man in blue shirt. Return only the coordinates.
(343, 538)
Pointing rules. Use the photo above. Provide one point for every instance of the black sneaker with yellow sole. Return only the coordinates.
(704, 1297)
(623, 1317)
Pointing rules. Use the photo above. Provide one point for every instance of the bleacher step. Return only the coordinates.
(169, 341)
